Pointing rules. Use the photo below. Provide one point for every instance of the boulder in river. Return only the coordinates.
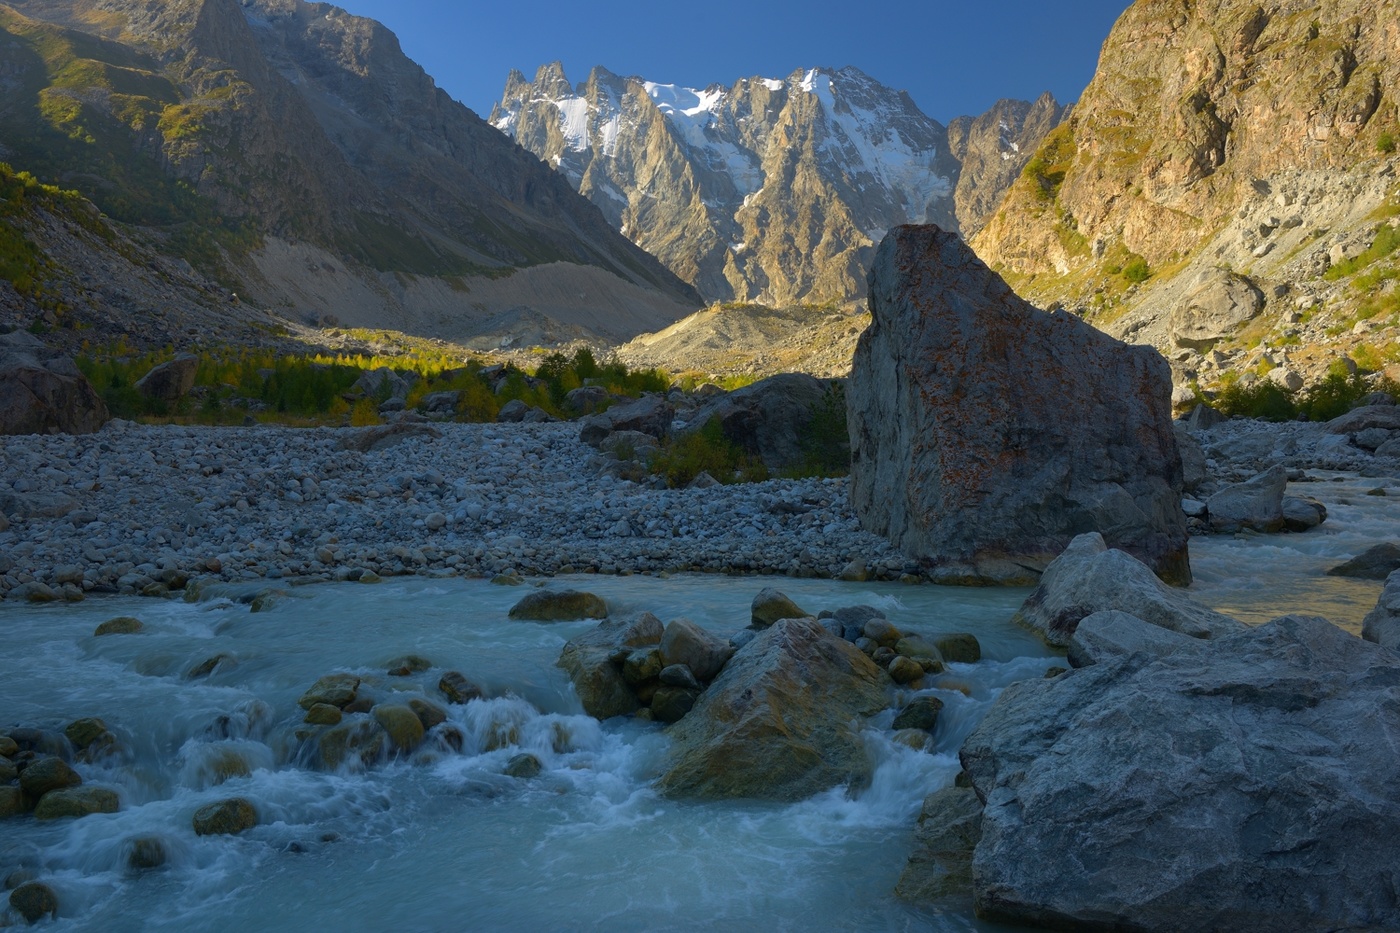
(986, 434)
(1090, 577)
(1374, 563)
(43, 392)
(1382, 624)
(1113, 634)
(940, 865)
(75, 802)
(225, 818)
(121, 625)
(402, 726)
(781, 722)
(47, 774)
(34, 901)
(336, 690)
(770, 605)
(686, 643)
(455, 686)
(559, 606)
(1256, 505)
(595, 659)
(1249, 787)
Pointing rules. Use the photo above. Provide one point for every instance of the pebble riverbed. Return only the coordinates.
(134, 508)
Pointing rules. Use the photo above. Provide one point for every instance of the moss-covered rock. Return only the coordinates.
(402, 726)
(336, 690)
(34, 901)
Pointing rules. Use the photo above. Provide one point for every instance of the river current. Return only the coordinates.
(444, 840)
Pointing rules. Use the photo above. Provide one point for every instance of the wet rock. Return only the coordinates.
(559, 606)
(146, 853)
(42, 391)
(1256, 505)
(170, 381)
(770, 605)
(408, 665)
(940, 865)
(679, 675)
(882, 632)
(597, 678)
(402, 725)
(524, 766)
(323, 714)
(225, 818)
(1376, 563)
(34, 901)
(670, 704)
(336, 690)
(988, 434)
(1104, 636)
(360, 742)
(921, 713)
(8, 747)
(11, 800)
(1260, 770)
(958, 647)
(686, 643)
(208, 666)
(47, 774)
(84, 732)
(854, 572)
(455, 686)
(1301, 513)
(225, 764)
(76, 802)
(1090, 577)
(643, 665)
(429, 714)
(921, 649)
(122, 625)
(1382, 624)
(904, 670)
(917, 739)
(781, 722)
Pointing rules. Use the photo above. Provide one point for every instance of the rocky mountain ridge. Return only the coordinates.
(292, 152)
(1225, 190)
(769, 190)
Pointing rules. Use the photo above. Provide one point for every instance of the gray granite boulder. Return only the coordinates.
(650, 414)
(1382, 624)
(986, 434)
(1374, 563)
(1090, 577)
(1256, 505)
(773, 418)
(1216, 307)
(782, 720)
(1249, 788)
(43, 392)
(594, 662)
(1113, 634)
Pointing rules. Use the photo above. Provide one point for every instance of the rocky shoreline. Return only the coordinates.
(144, 509)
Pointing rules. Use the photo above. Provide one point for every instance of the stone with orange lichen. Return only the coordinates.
(987, 434)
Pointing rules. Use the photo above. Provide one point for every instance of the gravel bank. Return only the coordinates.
(134, 507)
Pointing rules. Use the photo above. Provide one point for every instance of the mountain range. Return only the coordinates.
(769, 190)
(290, 154)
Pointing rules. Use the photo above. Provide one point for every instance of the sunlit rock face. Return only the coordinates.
(986, 435)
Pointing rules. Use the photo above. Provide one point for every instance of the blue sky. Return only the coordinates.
(954, 58)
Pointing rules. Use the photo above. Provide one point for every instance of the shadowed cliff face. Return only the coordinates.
(286, 119)
(769, 190)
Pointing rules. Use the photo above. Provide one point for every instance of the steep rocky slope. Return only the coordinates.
(772, 191)
(1225, 188)
(294, 152)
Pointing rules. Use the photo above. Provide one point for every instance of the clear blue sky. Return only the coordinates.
(954, 58)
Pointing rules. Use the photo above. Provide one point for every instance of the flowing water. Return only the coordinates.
(445, 841)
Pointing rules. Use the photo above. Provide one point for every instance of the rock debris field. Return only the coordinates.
(145, 509)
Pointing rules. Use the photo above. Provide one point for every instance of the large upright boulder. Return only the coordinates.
(782, 720)
(986, 435)
(1382, 624)
(783, 420)
(1250, 788)
(43, 392)
(170, 381)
